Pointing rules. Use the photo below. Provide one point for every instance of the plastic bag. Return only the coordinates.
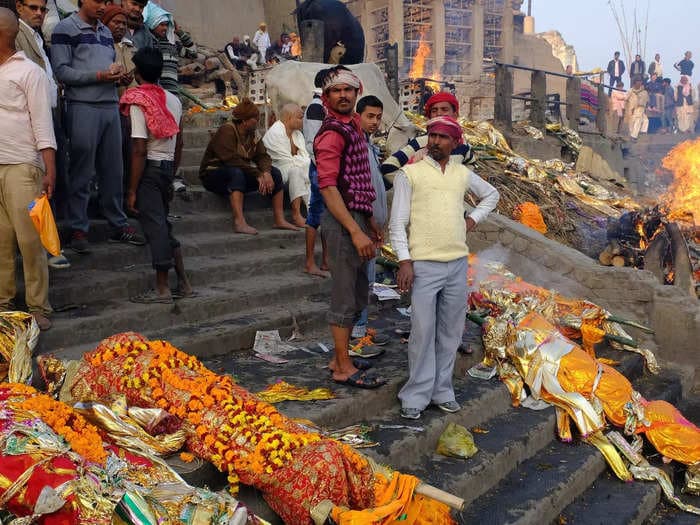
(456, 442)
(42, 217)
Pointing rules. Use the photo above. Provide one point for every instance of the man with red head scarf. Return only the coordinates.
(440, 104)
(429, 203)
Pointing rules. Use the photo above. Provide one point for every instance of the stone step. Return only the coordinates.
(93, 321)
(117, 256)
(106, 285)
(640, 502)
(205, 119)
(192, 156)
(223, 335)
(196, 137)
(607, 502)
(513, 436)
(541, 488)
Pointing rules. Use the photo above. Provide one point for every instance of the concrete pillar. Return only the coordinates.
(601, 118)
(396, 27)
(529, 25)
(507, 36)
(312, 40)
(539, 93)
(438, 37)
(477, 39)
(503, 104)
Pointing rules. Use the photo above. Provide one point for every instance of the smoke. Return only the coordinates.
(479, 264)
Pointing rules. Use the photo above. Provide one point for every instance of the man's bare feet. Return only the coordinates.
(299, 221)
(284, 225)
(325, 267)
(341, 375)
(314, 270)
(244, 228)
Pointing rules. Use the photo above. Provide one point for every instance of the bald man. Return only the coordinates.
(286, 145)
(27, 169)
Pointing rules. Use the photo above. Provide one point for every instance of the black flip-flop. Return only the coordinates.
(361, 379)
(360, 364)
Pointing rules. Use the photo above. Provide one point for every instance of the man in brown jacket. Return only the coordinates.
(236, 162)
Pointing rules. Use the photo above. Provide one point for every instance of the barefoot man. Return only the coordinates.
(236, 162)
(348, 226)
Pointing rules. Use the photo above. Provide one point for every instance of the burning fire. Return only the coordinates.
(422, 53)
(683, 195)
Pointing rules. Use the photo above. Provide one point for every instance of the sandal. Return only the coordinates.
(359, 363)
(361, 379)
(179, 294)
(151, 297)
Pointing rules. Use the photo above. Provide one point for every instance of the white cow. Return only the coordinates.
(293, 81)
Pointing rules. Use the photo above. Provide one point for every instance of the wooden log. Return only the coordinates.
(503, 104)
(435, 493)
(618, 261)
(605, 257)
(539, 93)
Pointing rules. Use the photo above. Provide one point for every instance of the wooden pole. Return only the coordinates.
(391, 53)
(573, 101)
(538, 88)
(503, 104)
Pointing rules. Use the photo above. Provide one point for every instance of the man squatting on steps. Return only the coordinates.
(156, 149)
(350, 231)
(429, 200)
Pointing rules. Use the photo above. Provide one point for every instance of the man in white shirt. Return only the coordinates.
(429, 201)
(27, 168)
(156, 149)
(286, 146)
(261, 40)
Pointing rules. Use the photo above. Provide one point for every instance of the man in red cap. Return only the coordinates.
(429, 201)
(440, 104)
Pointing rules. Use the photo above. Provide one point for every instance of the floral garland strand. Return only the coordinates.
(83, 437)
(252, 438)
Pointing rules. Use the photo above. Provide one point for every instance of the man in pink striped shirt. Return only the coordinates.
(27, 168)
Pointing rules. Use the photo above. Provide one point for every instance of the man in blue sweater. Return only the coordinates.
(83, 60)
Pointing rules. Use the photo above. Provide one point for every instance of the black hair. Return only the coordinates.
(617, 52)
(368, 101)
(667, 80)
(335, 70)
(320, 78)
(149, 63)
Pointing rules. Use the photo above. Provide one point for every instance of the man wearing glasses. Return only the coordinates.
(31, 14)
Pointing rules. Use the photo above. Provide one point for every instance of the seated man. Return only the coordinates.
(236, 162)
(439, 105)
(285, 143)
(155, 116)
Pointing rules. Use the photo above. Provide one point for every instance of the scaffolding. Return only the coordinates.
(418, 25)
(493, 29)
(379, 36)
(459, 23)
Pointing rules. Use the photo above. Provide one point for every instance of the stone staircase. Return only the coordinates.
(521, 474)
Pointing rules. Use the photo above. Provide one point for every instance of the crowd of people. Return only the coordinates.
(246, 53)
(652, 103)
(92, 112)
(112, 64)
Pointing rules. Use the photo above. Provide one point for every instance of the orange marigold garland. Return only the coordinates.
(82, 436)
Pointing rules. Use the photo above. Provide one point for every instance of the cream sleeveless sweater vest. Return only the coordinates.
(436, 226)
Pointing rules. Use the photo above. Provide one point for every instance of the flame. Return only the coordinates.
(422, 53)
(639, 227)
(683, 195)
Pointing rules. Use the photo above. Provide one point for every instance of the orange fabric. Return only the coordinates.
(591, 335)
(671, 434)
(529, 214)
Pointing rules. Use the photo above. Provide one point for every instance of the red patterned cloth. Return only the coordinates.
(151, 99)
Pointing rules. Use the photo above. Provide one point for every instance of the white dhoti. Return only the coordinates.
(639, 122)
(684, 114)
(293, 167)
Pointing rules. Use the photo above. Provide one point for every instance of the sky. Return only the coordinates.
(588, 25)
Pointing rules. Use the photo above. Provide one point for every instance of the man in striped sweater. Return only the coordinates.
(440, 104)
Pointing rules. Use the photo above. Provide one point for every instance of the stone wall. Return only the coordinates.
(628, 292)
(213, 22)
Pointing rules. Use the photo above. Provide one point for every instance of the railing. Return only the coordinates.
(539, 100)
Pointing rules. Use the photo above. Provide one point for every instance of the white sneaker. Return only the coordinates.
(59, 262)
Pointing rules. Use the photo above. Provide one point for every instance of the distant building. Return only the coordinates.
(457, 36)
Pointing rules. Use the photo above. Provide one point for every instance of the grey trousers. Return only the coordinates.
(438, 309)
(95, 135)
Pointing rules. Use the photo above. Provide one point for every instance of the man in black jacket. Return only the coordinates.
(616, 68)
(638, 69)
